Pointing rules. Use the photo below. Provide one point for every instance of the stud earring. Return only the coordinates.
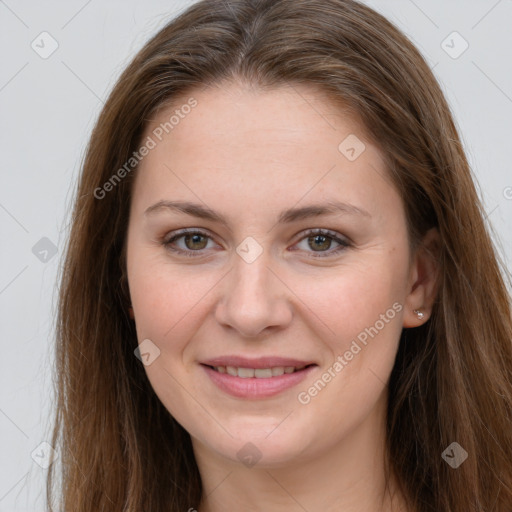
(419, 314)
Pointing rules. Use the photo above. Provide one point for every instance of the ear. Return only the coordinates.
(423, 280)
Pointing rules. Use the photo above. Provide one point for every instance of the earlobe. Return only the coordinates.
(419, 314)
(424, 283)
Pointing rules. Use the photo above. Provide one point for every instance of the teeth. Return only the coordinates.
(277, 370)
(263, 373)
(232, 371)
(245, 373)
(259, 373)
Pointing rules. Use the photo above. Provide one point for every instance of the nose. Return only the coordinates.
(254, 300)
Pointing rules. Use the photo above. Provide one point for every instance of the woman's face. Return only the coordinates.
(252, 288)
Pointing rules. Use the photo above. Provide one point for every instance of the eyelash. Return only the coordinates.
(310, 232)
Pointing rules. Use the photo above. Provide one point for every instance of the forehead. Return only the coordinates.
(288, 141)
(234, 113)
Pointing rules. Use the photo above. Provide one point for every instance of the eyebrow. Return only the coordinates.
(285, 217)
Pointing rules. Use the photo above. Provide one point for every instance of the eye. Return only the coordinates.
(320, 240)
(194, 241)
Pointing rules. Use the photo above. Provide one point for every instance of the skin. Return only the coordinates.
(248, 155)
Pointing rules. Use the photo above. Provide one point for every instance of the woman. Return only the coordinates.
(279, 291)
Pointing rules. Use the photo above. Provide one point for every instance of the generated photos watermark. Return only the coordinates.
(342, 360)
(150, 143)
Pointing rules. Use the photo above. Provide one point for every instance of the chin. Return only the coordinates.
(261, 448)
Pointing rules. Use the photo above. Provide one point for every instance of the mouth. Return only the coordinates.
(259, 380)
(259, 373)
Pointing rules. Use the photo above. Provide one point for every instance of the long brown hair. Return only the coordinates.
(120, 449)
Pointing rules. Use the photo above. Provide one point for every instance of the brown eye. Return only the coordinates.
(320, 241)
(195, 242)
(192, 241)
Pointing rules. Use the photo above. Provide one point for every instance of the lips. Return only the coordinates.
(260, 368)
(259, 362)
(261, 377)
(258, 373)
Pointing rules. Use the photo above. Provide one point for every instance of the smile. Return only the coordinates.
(256, 383)
(258, 373)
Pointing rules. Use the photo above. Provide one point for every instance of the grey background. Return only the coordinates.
(48, 108)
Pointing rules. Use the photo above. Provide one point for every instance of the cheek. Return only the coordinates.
(346, 300)
(364, 316)
(167, 306)
(168, 301)
(360, 307)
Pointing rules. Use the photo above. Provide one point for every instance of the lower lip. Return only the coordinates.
(253, 387)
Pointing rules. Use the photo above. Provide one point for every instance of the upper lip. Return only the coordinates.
(258, 362)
